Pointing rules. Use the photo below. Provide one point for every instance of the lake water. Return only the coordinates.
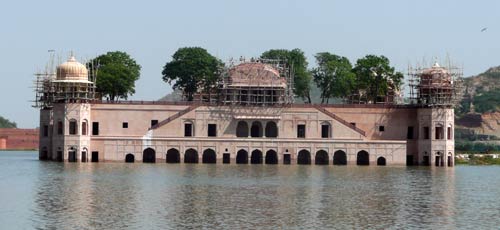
(50, 195)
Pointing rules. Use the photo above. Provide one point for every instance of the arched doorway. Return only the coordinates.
(209, 156)
(363, 158)
(339, 158)
(271, 157)
(191, 156)
(450, 160)
(173, 156)
(84, 155)
(321, 158)
(129, 158)
(72, 155)
(242, 157)
(256, 157)
(149, 155)
(256, 130)
(304, 157)
(242, 129)
(381, 161)
(271, 129)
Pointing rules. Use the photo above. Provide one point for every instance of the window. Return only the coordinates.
(72, 128)
(84, 128)
(125, 125)
(426, 133)
(154, 122)
(301, 131)
(353, 124)
(409, 134)
(381, 128)
(325, 130)
(212, 130)
(439, 133)
(188, 130)
(45, 130)
(59, 128)
(448, 133)
(95, 128)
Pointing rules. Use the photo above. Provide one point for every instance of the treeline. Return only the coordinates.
(194, 69)
(476, 147)
(5, 123)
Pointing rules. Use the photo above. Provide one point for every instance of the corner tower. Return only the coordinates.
(63, 97)
(436, 91)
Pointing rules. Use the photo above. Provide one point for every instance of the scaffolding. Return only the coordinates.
(435, 86)
(257, 82)
(49, 90)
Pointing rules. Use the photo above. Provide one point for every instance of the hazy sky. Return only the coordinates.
(151, 31)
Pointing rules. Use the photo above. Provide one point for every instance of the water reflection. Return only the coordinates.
(178, 196)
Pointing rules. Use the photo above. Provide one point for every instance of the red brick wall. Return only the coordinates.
(19, 138)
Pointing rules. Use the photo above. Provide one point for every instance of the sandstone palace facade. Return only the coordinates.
(253, 123)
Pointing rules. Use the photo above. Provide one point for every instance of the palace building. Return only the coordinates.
(249, 119)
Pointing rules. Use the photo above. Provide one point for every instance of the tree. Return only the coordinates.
(116, 75)
(333, 76)
(5, 123)
(301, 77)
(192, 68)
(374, 76)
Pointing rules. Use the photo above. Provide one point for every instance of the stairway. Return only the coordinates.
(173, 117)
(337, 118)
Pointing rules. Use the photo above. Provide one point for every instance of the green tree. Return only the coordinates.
(5, 123)
(192, 68)
(296, 59)
(116, 74)
(374, 76)
(333, 76)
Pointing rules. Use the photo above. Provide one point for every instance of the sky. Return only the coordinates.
(407, 32)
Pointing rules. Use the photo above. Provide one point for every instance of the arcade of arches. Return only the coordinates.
(257, 129)
(209, 156)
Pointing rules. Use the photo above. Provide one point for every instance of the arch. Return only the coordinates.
(271, 157)
(304, 157)
(339, 158)
(173, 156)
(129, 158)
(256, 130)
(381, 161)
(242, 157)
(72, 155)
(209, 157)
(242, 129)
(84, 155)
(191, 156)
(363, 158)
(149, 155)
(450, 159)
(326, 129)
(271, 129)
(321, 158)
(256, 157)
(85, 127)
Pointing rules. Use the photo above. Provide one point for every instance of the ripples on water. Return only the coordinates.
(49, 195)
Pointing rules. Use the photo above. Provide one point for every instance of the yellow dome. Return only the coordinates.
(72, 70)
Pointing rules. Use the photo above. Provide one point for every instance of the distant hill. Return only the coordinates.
(482, 93)
(5, 123)
(478, 116)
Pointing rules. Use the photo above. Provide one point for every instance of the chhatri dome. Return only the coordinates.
(72, 70)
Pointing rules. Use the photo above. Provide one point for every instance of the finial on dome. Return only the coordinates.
(436, 64)
(72, 56)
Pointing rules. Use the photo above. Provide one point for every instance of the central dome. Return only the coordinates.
(72, 70)
(255, 74)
